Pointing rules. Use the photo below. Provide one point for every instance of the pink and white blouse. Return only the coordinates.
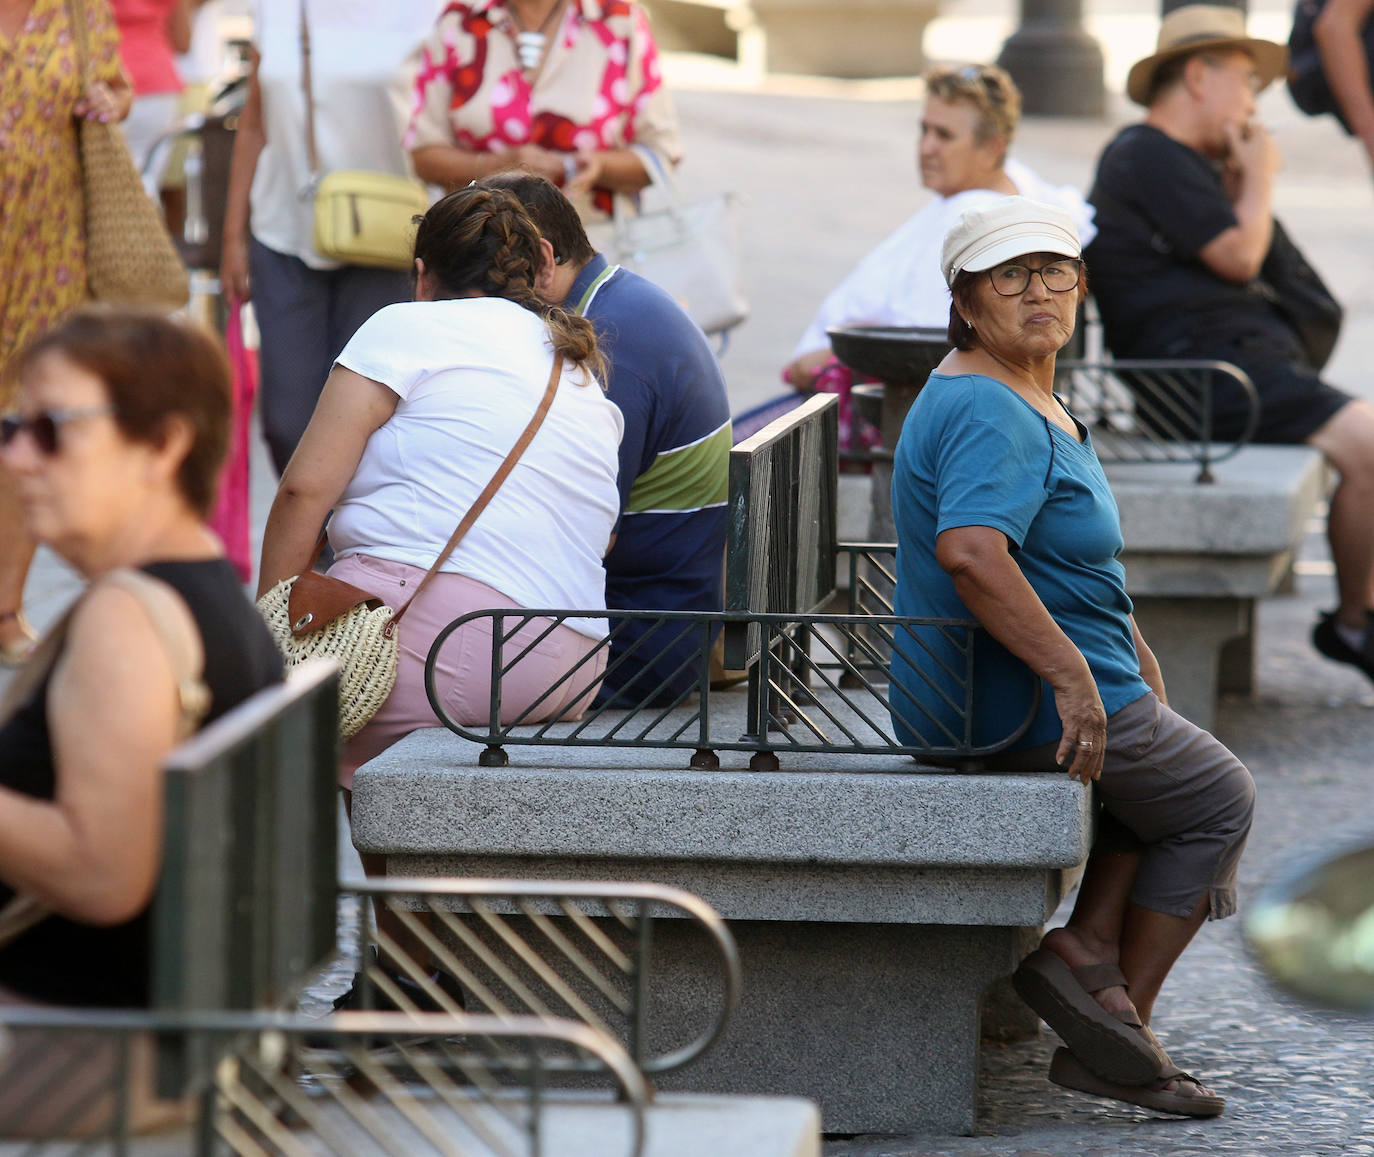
(600, 87)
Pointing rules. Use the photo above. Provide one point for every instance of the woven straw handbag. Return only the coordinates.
(312, 614)
(130, 256)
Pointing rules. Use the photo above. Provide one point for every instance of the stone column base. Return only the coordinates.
(855, 38)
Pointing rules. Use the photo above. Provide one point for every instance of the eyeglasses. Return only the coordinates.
(43, 427)
(1012, 279)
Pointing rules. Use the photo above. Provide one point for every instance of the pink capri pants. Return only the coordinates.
(464, 667)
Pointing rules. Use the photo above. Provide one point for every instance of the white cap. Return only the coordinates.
(1009, 227)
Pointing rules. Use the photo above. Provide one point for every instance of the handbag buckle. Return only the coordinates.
(304, 621)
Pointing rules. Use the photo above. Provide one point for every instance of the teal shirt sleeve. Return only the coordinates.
(987, 472)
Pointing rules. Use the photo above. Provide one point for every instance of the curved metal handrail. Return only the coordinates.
(645, 894)
(266, 1040)
(1203, 370)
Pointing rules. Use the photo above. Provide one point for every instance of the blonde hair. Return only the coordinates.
(988, 88)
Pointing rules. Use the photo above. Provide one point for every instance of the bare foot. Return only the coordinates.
(1076, 949)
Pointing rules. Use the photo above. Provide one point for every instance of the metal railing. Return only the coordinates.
(871, 576)
(814, 688)
(780, 539)
(869, 571)
(351, 1085)
(567, 950)
(1143, 410)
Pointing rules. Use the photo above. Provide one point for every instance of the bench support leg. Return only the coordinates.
(1188, 636)
(1237, 669)
(1006, 1017)
(879, 1023)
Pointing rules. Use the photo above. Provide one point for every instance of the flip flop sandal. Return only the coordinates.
(1066, 1070)
(1111, 1044)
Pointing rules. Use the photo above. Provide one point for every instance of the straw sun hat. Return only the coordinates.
(1195, 28)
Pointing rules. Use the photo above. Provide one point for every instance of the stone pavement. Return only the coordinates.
(825, 171)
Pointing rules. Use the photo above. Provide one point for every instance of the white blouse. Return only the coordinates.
(469, 374)
(900, 282)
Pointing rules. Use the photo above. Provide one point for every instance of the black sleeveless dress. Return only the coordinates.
(60, 961)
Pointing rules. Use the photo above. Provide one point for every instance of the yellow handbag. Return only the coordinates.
(365, 218)
(361, 217)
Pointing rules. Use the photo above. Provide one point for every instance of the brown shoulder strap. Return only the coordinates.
(172, 620)
(490, 490)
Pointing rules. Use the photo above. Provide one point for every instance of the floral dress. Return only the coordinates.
(600, 86)
(42, 231)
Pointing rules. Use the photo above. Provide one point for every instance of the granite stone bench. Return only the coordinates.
(245, 914)
(873, 901)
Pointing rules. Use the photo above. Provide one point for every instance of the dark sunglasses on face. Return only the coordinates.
(43, 427)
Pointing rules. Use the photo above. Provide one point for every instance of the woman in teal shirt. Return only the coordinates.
(1004, 516)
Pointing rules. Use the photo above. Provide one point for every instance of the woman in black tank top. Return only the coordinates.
(115, 446)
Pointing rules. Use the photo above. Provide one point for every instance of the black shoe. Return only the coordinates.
(1329, 642)
(378, 1001)
(413, 993)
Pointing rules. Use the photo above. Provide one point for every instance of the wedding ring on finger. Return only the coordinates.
(1088, 743)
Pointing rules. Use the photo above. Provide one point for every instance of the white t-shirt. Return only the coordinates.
(469, 375)
(357, 48)
(900, 282)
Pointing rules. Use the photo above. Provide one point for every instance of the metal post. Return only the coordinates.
(1055, 63)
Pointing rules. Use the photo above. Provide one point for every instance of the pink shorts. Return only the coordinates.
(464, 670)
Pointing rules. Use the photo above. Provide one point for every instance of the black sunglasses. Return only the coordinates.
(43, 426)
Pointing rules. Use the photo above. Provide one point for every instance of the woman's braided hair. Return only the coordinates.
(482, 240)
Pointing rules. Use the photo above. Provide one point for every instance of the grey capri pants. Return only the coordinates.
(1172, 793)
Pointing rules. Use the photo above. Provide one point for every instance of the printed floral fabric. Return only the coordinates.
(42, 231)
(600, 87)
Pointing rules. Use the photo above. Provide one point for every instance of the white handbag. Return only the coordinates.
(687, 249)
